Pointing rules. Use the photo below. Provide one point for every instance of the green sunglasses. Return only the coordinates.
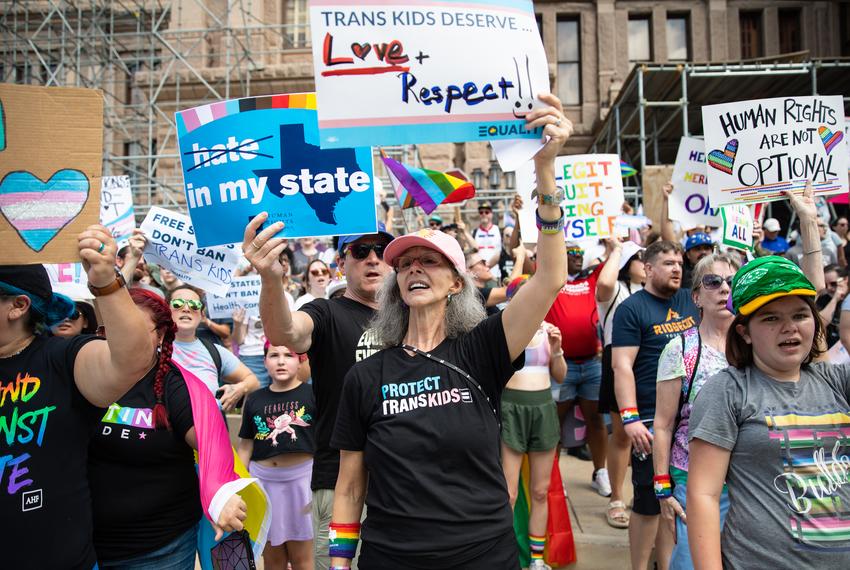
(180, 303)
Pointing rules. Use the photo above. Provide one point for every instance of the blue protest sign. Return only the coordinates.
(246, 156)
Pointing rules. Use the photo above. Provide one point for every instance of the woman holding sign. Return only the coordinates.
(417, 421)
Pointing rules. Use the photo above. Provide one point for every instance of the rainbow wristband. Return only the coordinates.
(340, 568)
(629, 415)
(550, 227)
(663, 486)
(342, 538)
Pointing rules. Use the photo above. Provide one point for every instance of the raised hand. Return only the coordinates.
(263, 250)
(97, 251)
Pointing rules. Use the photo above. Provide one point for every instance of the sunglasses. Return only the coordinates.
(180, 303)
(434, 224)
(319, 272)
(713, 281)
(426, 260)
(361, 250)
(575, 251)
(77, 314)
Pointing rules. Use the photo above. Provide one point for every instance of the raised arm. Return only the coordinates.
(522, 317)
(282, 327)
(812, 262)
(667, 231)
(606, 283)
(104, 371)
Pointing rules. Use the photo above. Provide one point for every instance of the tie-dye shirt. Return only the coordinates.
(789, 469)
(671, 366)
(194, 356)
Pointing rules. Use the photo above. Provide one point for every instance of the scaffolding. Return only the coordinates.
(660, 103)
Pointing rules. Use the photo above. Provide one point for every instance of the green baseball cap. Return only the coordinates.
(767, 278)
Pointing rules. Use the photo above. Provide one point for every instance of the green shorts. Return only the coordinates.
(529, 420)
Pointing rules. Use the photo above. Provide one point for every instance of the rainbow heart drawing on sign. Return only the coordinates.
(723, 160)
(39, 210)
(829, 139)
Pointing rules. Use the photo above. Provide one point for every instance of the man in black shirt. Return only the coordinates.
(333, 334)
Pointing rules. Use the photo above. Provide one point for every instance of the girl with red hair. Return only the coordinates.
(145, 442)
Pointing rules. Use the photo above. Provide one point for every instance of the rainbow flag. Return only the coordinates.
(626, 169)
(425, 188)
(522, 512)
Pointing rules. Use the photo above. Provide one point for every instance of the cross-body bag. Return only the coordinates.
(688, 338)
(464, 374)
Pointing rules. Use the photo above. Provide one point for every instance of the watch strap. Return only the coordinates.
(117, 284)
(549, 199)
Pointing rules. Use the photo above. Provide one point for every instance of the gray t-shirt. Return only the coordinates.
(789, 473)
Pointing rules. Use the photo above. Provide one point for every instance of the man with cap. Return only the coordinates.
(54, 391)
(333, 334)
(488, 238)
(772, 241)
(435, 222)
(697, 246)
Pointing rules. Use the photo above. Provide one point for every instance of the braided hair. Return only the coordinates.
(161, 316)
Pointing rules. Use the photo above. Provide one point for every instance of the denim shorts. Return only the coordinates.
(179, 554)
(583, 380)
(681, 558)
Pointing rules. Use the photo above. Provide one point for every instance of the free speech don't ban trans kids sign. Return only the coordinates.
(422, 71)
(245, 156)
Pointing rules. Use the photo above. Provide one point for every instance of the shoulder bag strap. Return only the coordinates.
(465, 375)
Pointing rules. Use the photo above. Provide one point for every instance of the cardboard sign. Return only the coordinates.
(69, 279)
(594, 199)
(51, 153)
(421, 71)
(246, 156)
(171, 244)
(244, 292)
(689, 203)
(757, 149)
(116, 207)
(737, 226)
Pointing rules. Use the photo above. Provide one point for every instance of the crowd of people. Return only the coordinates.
(389, 387)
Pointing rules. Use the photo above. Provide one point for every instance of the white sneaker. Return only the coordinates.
(539, 565)
(601, 483)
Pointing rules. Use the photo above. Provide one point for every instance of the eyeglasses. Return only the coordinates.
(832, 284)
(77, 314)
(426, 260)
(361, 250)
(577, 251)
(180, 303)
(713, 281)
(319, 272)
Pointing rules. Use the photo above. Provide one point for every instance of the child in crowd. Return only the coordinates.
(277, 443)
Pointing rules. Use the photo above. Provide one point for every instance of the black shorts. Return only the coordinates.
(498, 553)
(607, 396)
(645, 502)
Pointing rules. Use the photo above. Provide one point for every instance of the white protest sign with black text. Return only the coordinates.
(758, 149)
(244, 292)
(171, 244)
(593, 190)
(116, 207)
(689, 203)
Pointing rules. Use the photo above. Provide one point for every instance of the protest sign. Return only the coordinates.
(758, 149)
(737, 226)
(69, 279)
(689, 203)
(421, 71)
(593, 190)
(244, 292)
(246, 156)
(838, 354)
(116, 207)
(51, 152)
(171, 244)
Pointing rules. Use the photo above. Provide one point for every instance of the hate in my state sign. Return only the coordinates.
(757, 149)
(399, 72)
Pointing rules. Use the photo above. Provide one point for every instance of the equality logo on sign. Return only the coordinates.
(247, 156)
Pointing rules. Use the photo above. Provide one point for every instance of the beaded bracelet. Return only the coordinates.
(629, 415)
(663, 486)
(342, 539)
(550, 227)
(550, 199)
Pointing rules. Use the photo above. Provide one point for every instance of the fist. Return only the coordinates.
(97, 251)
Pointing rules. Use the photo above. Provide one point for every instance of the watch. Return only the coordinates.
(549, 199)
(111, 288)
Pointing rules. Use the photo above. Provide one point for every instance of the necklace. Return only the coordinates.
(20, 350)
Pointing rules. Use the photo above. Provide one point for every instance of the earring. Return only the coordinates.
(450, 298)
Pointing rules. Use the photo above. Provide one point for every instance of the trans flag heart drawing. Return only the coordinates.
(829, 139)
(39, 210)
(723, 160)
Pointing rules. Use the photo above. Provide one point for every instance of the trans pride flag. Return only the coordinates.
(425, 188)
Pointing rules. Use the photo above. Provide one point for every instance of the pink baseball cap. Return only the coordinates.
(432, 239)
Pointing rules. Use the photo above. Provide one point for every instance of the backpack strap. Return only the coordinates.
(612, 307)
(214, 354)
(689, 338)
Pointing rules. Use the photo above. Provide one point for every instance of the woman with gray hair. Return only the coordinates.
(418, 421)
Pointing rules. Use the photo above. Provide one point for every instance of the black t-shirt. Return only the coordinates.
(144, 484)
(832, 327)
(483, 296)
(339, 340)
(46, 427)
(506, 264)
(431, 446)
(279, 422)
